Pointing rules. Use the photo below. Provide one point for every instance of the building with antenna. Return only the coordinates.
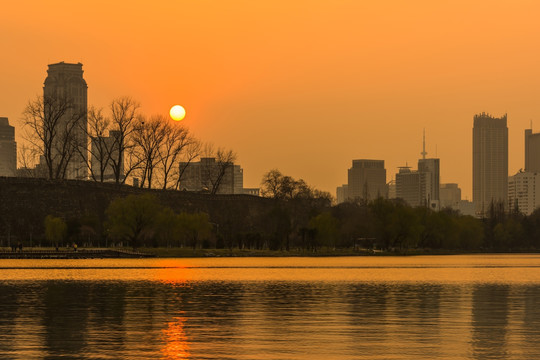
(420, 187)
(431, 167)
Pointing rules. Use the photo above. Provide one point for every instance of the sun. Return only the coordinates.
(177, 113)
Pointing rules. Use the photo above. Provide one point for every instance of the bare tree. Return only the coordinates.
(28, 161)
(225, 160)
(192, 151)
(214, 171)
(176, 140)
(100, 147)
(51, 128)
(148, 138)
(124, 117)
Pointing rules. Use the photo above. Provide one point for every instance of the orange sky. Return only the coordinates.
(302, 86)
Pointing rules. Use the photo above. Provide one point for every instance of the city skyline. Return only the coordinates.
(308, 88)
(529, 148)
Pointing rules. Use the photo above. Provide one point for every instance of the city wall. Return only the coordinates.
(25, 202)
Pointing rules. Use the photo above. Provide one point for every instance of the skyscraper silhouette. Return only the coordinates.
(490, 161)
(65, 81)
(367, 180)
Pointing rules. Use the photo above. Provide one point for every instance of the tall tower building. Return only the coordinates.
(431, 167)
(8, 148)
(65, 81)
(490, 161)
(532, 151)
(367, 180)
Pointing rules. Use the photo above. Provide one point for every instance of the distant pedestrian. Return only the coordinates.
(74, 247)
(56, 247)
(13, 247)
(20, 246)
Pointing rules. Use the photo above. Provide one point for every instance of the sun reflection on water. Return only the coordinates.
(176, 344)
(172, 271)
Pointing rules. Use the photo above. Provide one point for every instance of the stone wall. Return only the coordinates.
(25, 202)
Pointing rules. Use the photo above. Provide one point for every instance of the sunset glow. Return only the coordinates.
(347, 80)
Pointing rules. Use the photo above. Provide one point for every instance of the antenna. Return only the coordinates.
(424, 153)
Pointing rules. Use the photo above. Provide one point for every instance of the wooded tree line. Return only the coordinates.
(113, 144)
(308, 224)
(392, 224)
(296, 216)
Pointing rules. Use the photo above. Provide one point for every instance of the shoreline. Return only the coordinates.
(204, 253)
(93, 253)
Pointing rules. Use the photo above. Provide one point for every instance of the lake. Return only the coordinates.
(425, 307)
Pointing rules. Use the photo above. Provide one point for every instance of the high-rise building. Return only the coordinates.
(411, 186)
(203, 174)
(490, 161)
(466, 207)
(342, 193)
(532, 151)
(431, 167)
(522, 192)
(65, 81)
(367, 180)
(449, 195)
(8, 149)
(238, 179)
